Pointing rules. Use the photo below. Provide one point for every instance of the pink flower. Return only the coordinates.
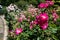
(43, 16)
(43, 5)
(20, 19)
(50, 3)
(18, 31)
(28, 19)
(42, 19)
(48, 0)
(55, 16)
(35, 22)
(44, 26)
(46, 5)
(32, 10)
(32, 24)
(23, 16)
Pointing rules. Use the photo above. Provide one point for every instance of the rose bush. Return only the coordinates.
(34, 23)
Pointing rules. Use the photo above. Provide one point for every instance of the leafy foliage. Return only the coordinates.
(36, 33)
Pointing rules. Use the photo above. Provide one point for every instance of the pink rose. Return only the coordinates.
(46, 5)
(43, 16)
(55, 16)
(48, 0)
(22, 17)
(50, 3)
(42, 20)
(32, 24)
(44, 26)
(43, 5)
(18, 31)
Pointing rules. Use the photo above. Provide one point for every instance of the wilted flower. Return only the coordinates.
(31, 9)
(10, 8)
(12, 33)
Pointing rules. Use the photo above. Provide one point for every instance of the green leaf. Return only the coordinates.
(38, 38)
(18, 38)
(54, 37)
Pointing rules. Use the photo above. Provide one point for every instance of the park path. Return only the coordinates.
(3, 28)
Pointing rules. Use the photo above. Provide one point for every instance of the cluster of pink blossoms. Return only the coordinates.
(21, 18)
(46, 4)
(41, 20)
